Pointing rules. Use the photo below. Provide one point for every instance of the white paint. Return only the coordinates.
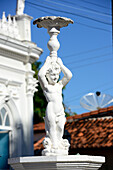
(17, 85)
(73, 162)
(55, 117)
(20, 7)
(24, 26)
(53, 25)
(53, 43)
(9, 27)
(48, 75)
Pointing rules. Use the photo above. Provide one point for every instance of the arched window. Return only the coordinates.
(5, 128)
(4, 117)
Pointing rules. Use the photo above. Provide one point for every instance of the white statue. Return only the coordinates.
(55, 117)
(20, 7)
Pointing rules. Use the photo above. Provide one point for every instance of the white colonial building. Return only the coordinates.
(17, 86)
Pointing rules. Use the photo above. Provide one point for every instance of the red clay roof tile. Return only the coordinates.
(39, 126)
(87, 132)
(97, 133)
(38, 144)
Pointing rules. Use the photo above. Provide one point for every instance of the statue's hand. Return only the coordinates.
(59, 61)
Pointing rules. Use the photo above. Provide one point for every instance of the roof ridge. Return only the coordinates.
(104, 117)
(101, 112)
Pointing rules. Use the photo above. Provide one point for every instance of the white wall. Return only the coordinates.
(17, 86)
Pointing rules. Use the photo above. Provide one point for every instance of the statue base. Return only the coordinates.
(70, 162)
(49, 150)
(54, 152)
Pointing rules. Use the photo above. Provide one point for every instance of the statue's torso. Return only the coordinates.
(53, 95)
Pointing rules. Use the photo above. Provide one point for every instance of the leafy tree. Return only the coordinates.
(39, 98)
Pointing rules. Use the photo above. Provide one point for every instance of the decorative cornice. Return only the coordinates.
(10, 82)
(12, 69)
(21, 51)
(20, 17)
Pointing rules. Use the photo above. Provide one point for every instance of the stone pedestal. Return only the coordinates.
(70, 162)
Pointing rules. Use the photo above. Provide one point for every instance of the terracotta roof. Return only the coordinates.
(39, 127)
(91, 133)
(88, 130)
(38, 145)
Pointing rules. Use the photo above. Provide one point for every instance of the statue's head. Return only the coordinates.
(52, 73)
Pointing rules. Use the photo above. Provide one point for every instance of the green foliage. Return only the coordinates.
(39, 98)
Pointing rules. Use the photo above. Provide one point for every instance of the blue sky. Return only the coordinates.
(85, 46)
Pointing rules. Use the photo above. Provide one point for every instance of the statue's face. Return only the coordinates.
(53, 74)
(52, 78)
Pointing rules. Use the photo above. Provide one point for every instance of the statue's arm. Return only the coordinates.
(67, 73)
(42, 74)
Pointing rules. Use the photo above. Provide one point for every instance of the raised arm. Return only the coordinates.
(67, 73)
(42, 74)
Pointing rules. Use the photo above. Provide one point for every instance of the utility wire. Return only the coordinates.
(72, 7)
(98, 13)
(77, 96)
(90, 90)
(98, 28)
(89, 51)
(73, 3)
(40, 9)
(89, 26)
(85, 11)
(52, 14)
(89, 58)
(93, 27)
(76, 67)
(95, 4)
(74, 14)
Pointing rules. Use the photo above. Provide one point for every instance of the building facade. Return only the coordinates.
(17, 87)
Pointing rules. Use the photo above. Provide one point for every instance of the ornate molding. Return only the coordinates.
(9, 26)
(21, 51)
(32, 83)
(6, 67)
(9, 89)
